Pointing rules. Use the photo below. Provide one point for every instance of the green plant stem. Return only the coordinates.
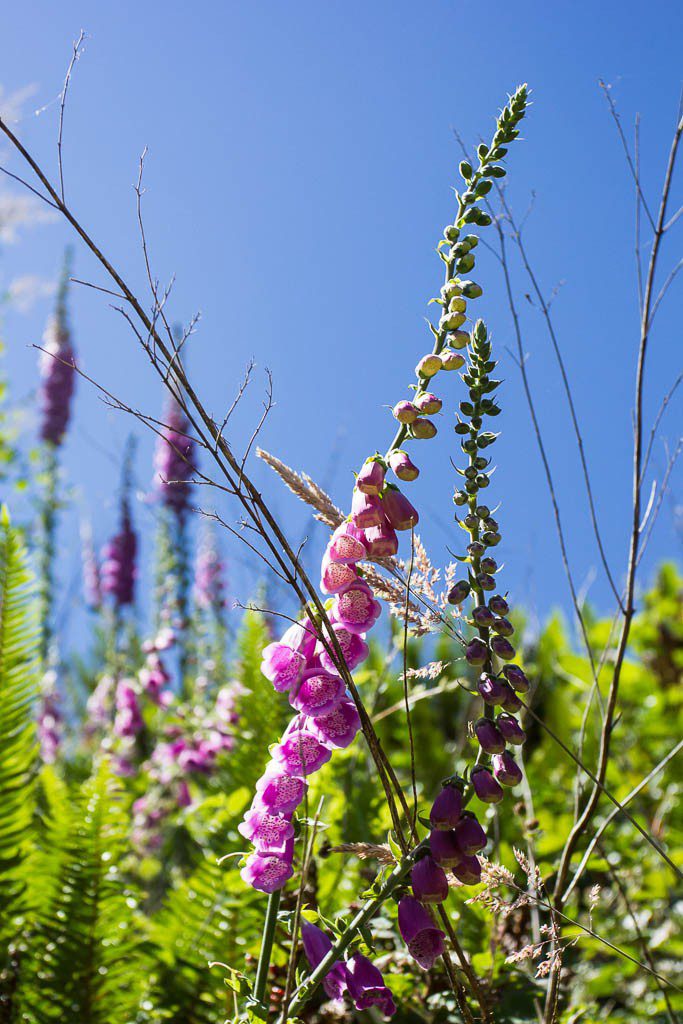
(266, 945)
(46, 558)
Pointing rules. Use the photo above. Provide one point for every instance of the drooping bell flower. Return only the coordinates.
(428, 881)
(267, 872)
(485, 786)
(316, 947)
(424, 940)
(285, 659)
(183, 795)
(279, 790)
(336, 575)
(502, 648)
(399, 511)
(366, 510)
(356, 608)
(346, 544)
(339, 728)
(366, 986)
(318, 693)
(423, 429)
(299, 751)
(370, 480)
(490, 736)
(446, 809)
(468, 870)
(403, 466)
(268, 831)
(119, 570)
(469, 835)
(444, 847)
(173, 460)
(57, 367)
(511, 701)
(381, 540)
(353, 647)
(506, 769)
(511, 729)
(405, 412)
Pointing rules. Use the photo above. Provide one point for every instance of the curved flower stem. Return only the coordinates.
(266, 945)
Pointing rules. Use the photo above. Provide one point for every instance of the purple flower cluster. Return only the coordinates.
(118, 570)
(209, 578)
(173, 460)
(49, 718)
(357, 976)
(58, 377)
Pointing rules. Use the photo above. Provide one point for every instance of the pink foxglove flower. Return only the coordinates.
(366, 986)
(381, 540)
(356, 608)
(267, 872)
(346, 544)
(506, 769)
(446, 809)
(353, 647)
(424, 940)
(399, 511)
(285, 660)
(428, 881)
(316, 947)
(318, 693)
(469, 835)
(335, 576)
(173, 460)
(268, 831)
(339, 728)
(485, 786)
(119, 569)
(403, 466)
(300, 752)
(468, 870)
(444, 847)
(489, 735)
(57, 371)
(511, 729)
(279, 790)
(366, 510)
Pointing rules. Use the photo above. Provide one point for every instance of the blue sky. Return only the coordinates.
(301, 159)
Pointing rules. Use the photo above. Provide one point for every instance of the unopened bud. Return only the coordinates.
(451, 321)
(476, 651)
(458, 592)
(405, 412)
(516, 678)
(488, 565)
(451, 360)
(502, 648)
(503, 627)
(498, 605)
(403, 466)
(428, 365)
(423, 429)
(427, 402)
(483, 616)
(458, 339)
(457, 305)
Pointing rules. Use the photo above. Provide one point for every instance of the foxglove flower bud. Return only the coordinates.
(267, 831)
(428, 403)
(503, 648)
(405, 412)
(371, 477)
(483, 616)
(458, 592)
(381, 540)
(511, 730)
(318, 693)
(458, 339)
(469, 835)
(516, 678)
(398, 510)
(173, 460)
(504, 627)
(506, 769)
(476, 651)
(498, 605)
(428, 366)
(492, 690)
(356, 608)
(316, 947)
(468, 870)
(488, 565)
(485, 581)
(339, 728)
(366, 986)
(403, 466)
(475, 549)
(423, 429)
(451, 321)
(428, 881)
(490, 736)
(451, 360)
(366, 510)
(485, 786)
(511, 701)
(444, 847)
(446, 809)
(346, 544)
(267, 872)
(425, 942)
(280, 791)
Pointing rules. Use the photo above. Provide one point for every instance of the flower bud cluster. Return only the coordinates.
(497, 729)
(119, 569)
(57, 371)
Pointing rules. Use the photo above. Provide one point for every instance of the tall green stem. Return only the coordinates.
(266, 945)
